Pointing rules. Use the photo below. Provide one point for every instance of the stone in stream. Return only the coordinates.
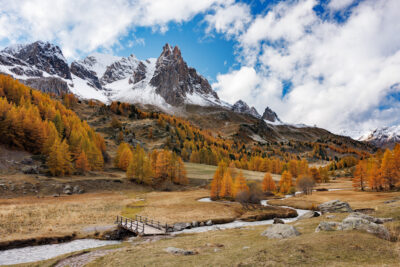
(179, 251)
(278, 221)
(195, 224)
(209, 223)
(280, 231)
(181, 226)
(308, 215)
(335, 206)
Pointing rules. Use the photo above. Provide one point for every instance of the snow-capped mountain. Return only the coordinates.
(164, 81)
(270, 116)
(241, 107)
(383, 137)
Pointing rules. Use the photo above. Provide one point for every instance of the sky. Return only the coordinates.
(330, 63)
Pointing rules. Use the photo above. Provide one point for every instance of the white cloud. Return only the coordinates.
(83, 26)
(230, 19)
(341, 73)
(339, 4)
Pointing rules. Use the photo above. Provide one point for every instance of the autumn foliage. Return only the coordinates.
(268, 184)
(31, 120)
(380, 172)
(153, 168)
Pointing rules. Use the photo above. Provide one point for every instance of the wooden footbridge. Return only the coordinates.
(143, 226)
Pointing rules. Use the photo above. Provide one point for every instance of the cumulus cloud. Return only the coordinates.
(341, 73)
(83, 26)
(339, 4)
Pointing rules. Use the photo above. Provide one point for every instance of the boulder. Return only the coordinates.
(195, 224)
(358, 223)
(179, 251)
(278, 221)
(308, 215)
(77, 190)
(369, 218)
(280, 231)
(328, 226)
(335, 206)
(209, 223)
(201, 224)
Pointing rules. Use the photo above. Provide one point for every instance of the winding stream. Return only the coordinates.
(239, 223)
(45, 252)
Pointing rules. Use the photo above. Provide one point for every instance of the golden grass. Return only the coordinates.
(171, 207)
(356, 199)
(202, 171)
(28, 217)
(245, 247)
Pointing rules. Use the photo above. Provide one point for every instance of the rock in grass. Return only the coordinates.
(280, 231)
(335, 206)
(179, 251)
(358, 223)
(369, 218)
(308, 215)
(328, 226)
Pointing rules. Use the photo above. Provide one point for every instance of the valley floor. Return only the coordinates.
(91, 213)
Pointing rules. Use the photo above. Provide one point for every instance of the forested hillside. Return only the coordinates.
(31, 120)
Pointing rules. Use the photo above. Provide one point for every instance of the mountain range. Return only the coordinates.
(166, 82)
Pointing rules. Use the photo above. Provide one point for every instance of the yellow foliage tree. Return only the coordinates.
(268, 184)
(285, 183)
(240, 184)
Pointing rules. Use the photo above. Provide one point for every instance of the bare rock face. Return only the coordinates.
(48, 85)
(241, 107)
(173, 79)
(270, 115)
(140, 73)
(44, 56)
(82, 72)
(120, 69)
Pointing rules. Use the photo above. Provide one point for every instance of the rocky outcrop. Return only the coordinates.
(280, 231)
(270, 115)
(241, 107)
(120, 69)
(48, 85)
(358, 221)
(174, 80)
(44, 56)
(140, 73)
(335, 206)
(82, 72)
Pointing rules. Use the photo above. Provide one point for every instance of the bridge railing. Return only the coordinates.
(129, 224)
(137, 224)
(153, 223)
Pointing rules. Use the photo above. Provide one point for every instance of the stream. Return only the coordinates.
(239, 223)
(45, 252)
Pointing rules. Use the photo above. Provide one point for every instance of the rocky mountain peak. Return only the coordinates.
(174, 80)
(44, 56)
(270, 115)
(241, 107)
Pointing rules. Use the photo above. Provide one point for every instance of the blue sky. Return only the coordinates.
(331, 63)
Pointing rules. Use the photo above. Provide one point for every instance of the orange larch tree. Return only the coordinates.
(268, 184)
(240, 184)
